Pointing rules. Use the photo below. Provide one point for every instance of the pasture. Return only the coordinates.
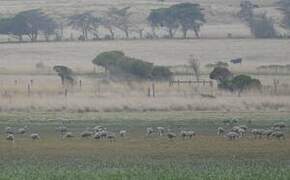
(205, 156)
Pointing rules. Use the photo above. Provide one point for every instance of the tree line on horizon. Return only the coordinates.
(183, 17)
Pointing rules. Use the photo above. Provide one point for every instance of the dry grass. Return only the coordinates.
(78, 55)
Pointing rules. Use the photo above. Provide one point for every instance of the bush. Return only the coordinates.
(116, 62)
(161, 73)
(240, 83)
(262, 27)
(220, 74)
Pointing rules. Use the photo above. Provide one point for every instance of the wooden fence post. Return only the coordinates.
(28, 89)
(153, 89)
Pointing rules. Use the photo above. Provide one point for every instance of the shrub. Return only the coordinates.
(116, 62)
(161, 73)
(221, 74)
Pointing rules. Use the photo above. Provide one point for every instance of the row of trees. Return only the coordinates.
(31, 23)
(184, 16)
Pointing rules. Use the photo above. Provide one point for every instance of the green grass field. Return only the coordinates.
(136, 156)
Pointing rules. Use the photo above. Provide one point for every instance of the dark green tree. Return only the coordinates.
(189, 16)
(85, 22)
(65, 74)
(221, 74)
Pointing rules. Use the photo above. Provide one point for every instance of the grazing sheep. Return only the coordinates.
(160, 130)
(278, 135)
(267, 133)
(220, 131)
(68, 135)
(276, 128)
(9, 130)
(235, 129)
(35, 136)
(86, 133)
(111, 136)
(257, 133)
(171, 135)
(242, 132)
(98, 128)
(62, 129)
(232, 135)
(149, 131)
(104, 133)
(244, 127)
(97, 135)
(10, 137)
(188, 134)
(279, 124)
(123, 133)
(21, 130)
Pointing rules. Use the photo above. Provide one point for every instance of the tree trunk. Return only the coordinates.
(111, 32)
(184, 31)
(196, 32)
(170, 33)
(141, 33)
(62, 80)
(126, 33)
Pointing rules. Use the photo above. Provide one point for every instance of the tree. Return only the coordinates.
(221, 74)
(119, 18)
(189, 16)
(65, 74)
(163, 17)
(244, 82)
(117, 63)
(30, 23)
(85, 22)
(247, 10)
(284, 6)
(262, 27)
(195, 66)
(161, 73)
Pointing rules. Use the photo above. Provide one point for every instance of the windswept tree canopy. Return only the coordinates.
(30, 23)
(117, 63)
(220, 74)
(86, 22)
(188, 16)
(65, 73)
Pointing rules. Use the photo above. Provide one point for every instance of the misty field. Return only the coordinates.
(205, 156)
(79, 55)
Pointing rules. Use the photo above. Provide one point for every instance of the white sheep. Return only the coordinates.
(220, 131)
(149, 131)
(232, 135)
(188, 134)
(35, 136)
(257, 133)
(21, 130)
(10, 137)
(98, 128)
(279, 124)
(278, 134)
(160, 131)
(62, 129)
(86, 133)
(267, 133)
(9, 130)
(111, 136)
(68, 135)
(123, 133)
(171, 135)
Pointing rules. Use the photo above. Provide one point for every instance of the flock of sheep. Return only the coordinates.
(100, 132)
(238, 131)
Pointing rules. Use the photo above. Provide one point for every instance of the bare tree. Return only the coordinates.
(195, 66)
(119, 18)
